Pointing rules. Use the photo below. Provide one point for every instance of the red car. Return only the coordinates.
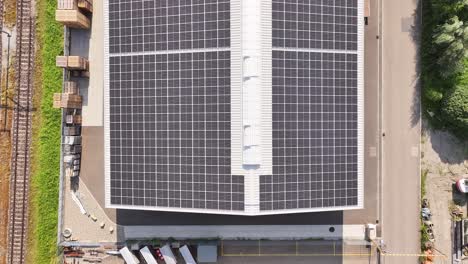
(159, 255)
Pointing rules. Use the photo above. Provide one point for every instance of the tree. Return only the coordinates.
(451, 44)
(456, 3)
(449, 7)
(455, 110)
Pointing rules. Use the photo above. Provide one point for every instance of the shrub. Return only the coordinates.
(455, 110)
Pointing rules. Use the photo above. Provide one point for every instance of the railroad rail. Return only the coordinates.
(21, 133)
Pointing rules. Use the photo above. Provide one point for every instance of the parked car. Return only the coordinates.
(462, 185)
(159, 255)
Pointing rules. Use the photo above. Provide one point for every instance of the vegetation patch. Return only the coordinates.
(42, 248)
(455, 108)
(423, 182)
(424, 236)
(9, 8)
(444, 53)
(5, 158)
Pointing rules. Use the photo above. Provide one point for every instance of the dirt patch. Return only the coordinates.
(5, 155)
(444, 158)
(5, 152)
(10, 13)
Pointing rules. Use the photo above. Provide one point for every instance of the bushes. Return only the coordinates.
(444, 53)
(455, 109)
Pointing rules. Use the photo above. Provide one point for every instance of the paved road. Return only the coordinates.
(401, 125)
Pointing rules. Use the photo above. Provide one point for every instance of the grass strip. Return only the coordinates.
(45, 168)
(423, 228)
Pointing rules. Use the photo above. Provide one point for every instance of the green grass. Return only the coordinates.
(424, 236)
(45, 171)
(423, 182)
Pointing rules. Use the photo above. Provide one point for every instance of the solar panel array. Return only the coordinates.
(315, 95)
(170, 105)
(150, 25)
(315, 24)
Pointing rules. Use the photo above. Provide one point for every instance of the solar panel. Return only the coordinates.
(314, 131)
(177, 81)
(314, 106)
(150, 25)
(170, 131)
(169, 105)
(315, 24)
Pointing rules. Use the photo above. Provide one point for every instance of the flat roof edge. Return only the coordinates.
(227, 212)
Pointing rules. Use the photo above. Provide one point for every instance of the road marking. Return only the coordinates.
(372, 152)
(411, 255)
(406, 24)
(415, 152)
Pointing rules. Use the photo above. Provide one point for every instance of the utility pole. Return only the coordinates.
(5, 95)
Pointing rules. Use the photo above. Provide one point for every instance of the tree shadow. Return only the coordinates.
(415, 33)
(448, 147)
(458, 197)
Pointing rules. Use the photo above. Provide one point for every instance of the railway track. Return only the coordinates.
(21, 134)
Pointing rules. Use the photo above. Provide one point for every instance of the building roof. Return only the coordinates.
(234, 106)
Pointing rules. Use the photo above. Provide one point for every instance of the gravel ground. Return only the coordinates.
(445, 159)
(84, 229)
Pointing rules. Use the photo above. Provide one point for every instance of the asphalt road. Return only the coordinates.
(402, 127)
